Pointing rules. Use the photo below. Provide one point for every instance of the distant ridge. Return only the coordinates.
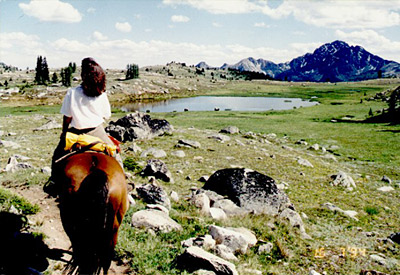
(332, 62)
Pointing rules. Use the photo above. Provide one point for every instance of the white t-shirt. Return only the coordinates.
(86, 111)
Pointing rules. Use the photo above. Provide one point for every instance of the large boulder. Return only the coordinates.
(138, 126)
(250, 190)
(195, 258)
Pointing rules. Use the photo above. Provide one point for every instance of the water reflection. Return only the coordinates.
(211, 103)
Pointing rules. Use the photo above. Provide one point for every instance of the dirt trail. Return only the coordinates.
(48, 221)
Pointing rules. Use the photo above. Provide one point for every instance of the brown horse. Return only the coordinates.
(93, 202)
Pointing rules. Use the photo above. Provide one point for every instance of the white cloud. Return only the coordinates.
(17, 48)
(123, 27)
(91, 10)
(21, 50)
(346, 14)
(372, 42)
(261, 25)
(179, 19)
(217, 6)
(99, 36)
(51, 11)
(349, 14)
(217, 25)
(117, 53)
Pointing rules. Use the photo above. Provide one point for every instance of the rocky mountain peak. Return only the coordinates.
(336, 61)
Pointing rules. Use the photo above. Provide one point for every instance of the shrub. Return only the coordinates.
(132, 165)
(371, 210)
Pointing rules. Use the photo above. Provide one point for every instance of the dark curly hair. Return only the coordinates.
(93, 78)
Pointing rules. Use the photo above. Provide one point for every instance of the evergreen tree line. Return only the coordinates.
(42, 73)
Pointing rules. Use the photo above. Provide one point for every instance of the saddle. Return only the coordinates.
(75, 144)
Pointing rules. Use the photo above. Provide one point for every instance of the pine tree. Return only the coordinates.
(45, 71)
(42, 71)
(72, 65)
(132, 71)
(54, 78)
(38, 75)
(66, 76)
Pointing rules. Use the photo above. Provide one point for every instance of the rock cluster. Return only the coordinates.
(138, 126)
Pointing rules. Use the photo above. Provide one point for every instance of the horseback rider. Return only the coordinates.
(85, 108)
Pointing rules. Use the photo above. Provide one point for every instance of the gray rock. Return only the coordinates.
(153, 194)
(9, 144)
(138, 126)
(220, 137)
(287, 148)
(295, 221)
(158, 169)
(21, 157)
(230, 130)
(304, 162)
(157, 207)
(217, 213)
(301, 142)
(342, 179)
(188, 143)
(248, 189)
(386, 189)
(157, 153)
(135, 148)
(314, 147)
(246, 233)
(225, 252)
(195, 258)
(229, 207)
(174, 196)
(203, 202)
(203, 272)
(51, 124)
(265, 248)
(155, 220)
(386, 179)
(240, 143)
(46, 170)
(332, 207)
(378, 259)
(205, 242)
(236, 241)
(313, 272)
(178, 154)
(13, 165)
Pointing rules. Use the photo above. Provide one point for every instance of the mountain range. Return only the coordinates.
(332, 62)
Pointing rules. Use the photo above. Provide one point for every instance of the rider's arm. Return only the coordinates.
(66, 122)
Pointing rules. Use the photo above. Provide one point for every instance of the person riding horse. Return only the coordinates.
(85, 108)
(91, 185)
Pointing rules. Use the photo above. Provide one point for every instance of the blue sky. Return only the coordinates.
(152, 32)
